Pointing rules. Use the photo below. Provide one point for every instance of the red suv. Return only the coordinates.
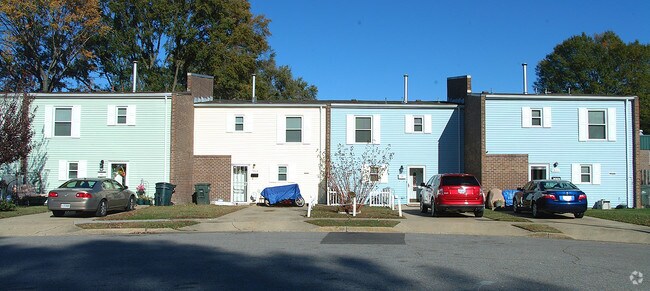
(452, 192)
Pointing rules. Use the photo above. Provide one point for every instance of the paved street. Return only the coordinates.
(334, 261)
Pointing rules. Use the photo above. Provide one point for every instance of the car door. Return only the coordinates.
(121, 194)
(108, 193)
(529, 193)
(426, 191)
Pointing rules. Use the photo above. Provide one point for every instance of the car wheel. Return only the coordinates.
(479, 213)
(423, 208)
(579, 214)
(102, 209)
(131, 205)
(300, 202)
(434, 213)
(266, 202)
(515, 208)
(536, 213)
(58, 213)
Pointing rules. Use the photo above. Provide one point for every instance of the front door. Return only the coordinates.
(239, 183)
(415, 178)
(118, 172)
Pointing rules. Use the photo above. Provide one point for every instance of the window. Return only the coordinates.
(536, 117)
(597, 124)
(363, 129)
(417, 124)
(585, 174)
(63, 122)
(121, 114)
(538, 171)
(239, 123)
(73, 170)
(374, 173)
(294, 129)
(282, 173)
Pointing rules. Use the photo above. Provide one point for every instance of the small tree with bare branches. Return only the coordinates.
(15, 129)
(353, 174)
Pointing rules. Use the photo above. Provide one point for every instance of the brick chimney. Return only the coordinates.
(458, 88)
(200, 85)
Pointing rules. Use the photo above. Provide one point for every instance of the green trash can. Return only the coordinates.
(164, 191)
(202, 192)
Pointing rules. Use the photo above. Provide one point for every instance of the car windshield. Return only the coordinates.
(557, 185)
(459, 181)
(79, 184)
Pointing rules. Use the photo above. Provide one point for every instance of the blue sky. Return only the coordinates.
(360, 49)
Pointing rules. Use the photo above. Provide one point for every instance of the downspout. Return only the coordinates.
(166, 152)
(459, 143)
(627, 159)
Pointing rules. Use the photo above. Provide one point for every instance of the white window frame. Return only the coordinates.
(533, 118)
(112, 116)
(583, 124)
(243, 123)
(366, 171)
(118, 115)
(545, 116)
(588, 175)
(70, 164)
(363, 129)
(530, 170)
(595, 173)
(64, 169)
(375, 128)
(286, 173)
(286, 129)
(603, 125)
(54, 121)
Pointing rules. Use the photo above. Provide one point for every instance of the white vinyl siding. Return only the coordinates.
(597, 124)
(536, 117)
(586, 174)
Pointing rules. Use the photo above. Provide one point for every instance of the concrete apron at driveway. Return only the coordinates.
(259, 219)
(41, 224)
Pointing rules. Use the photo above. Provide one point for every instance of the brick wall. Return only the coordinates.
(637, 159)
(182, 147)
(216, 171)
(644, 160)
(182, 136)
(474, 136)
(504, 171)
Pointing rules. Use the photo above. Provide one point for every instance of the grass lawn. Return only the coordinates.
(503, 216)
(138, 224)
(23, 210)
(354, 222)
(536, 227)
(189, 211)
(633, 216)
(323, 211)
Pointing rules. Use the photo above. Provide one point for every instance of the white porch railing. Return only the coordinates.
(375, 198)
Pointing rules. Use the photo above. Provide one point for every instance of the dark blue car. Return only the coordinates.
(550, 196)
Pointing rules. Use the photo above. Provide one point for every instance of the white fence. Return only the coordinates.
(375, 198)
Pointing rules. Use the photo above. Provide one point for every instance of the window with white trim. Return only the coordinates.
(293, 129)
(282, 173)
(597, 124)
(73, 170)
(374, 173)
(63, 121)
(239, 123)
(121, 114)
(536, 117)
(418, 124)
(363, 129)
(585, 174)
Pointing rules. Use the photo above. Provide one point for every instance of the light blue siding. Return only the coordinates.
(560, 142)
(440, 151)
(143, 146)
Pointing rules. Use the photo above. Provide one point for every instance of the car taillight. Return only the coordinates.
(52, 194)
(84, 195)
(548, 196)
(582, 197)
(440, 191)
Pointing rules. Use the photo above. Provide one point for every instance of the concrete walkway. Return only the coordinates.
(293, 219)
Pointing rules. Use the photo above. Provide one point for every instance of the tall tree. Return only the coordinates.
(44, 41)
(15, 131)
(602, 64)
(221, 38)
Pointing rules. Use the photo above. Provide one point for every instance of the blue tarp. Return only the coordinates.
(508, 195)
(279, 193)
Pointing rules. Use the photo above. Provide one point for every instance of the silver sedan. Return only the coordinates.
(93, 195)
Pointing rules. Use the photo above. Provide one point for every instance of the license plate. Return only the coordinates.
(567, 198)
(65, 205)
(461, 191)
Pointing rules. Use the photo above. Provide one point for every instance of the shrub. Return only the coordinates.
(7, 206)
